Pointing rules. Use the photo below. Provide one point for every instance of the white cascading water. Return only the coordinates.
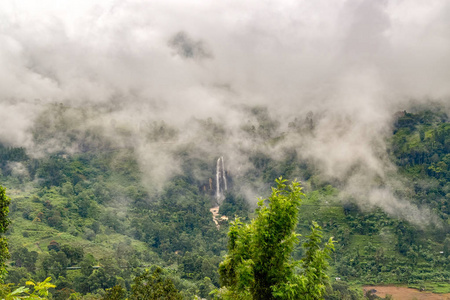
(221, 179)
(218, 180)
(223, 175)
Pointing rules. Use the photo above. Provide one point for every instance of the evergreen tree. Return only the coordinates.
(4, 222)
(115, 293)
(153, 286)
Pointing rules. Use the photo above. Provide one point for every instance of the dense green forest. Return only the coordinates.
(87, 219)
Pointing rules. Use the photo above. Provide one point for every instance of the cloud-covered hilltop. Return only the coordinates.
(193, 71)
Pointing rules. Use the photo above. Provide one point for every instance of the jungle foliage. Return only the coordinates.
(259, 264)
(86, 220)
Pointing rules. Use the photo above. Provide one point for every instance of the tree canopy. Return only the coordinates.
(154, 286)
(259, 263)
(4, 222)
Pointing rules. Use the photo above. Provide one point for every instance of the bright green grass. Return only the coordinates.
(36, 235)
(435, 287)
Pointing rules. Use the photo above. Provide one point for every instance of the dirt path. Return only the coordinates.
(404, 293)
(215, 213)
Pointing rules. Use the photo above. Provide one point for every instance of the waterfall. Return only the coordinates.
(218, 180)
(221, 179)
(223, 175)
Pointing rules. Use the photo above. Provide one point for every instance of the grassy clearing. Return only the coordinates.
(435, 287)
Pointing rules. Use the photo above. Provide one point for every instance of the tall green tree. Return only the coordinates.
(259, 263)
(4, 223)
(115, 293)
(153, 286)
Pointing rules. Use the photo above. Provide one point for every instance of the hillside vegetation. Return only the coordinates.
(89, 220)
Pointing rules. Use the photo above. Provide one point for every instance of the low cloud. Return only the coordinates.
(342, 67)
(187, 48)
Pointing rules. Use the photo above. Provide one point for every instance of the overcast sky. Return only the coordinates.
(288, 50)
